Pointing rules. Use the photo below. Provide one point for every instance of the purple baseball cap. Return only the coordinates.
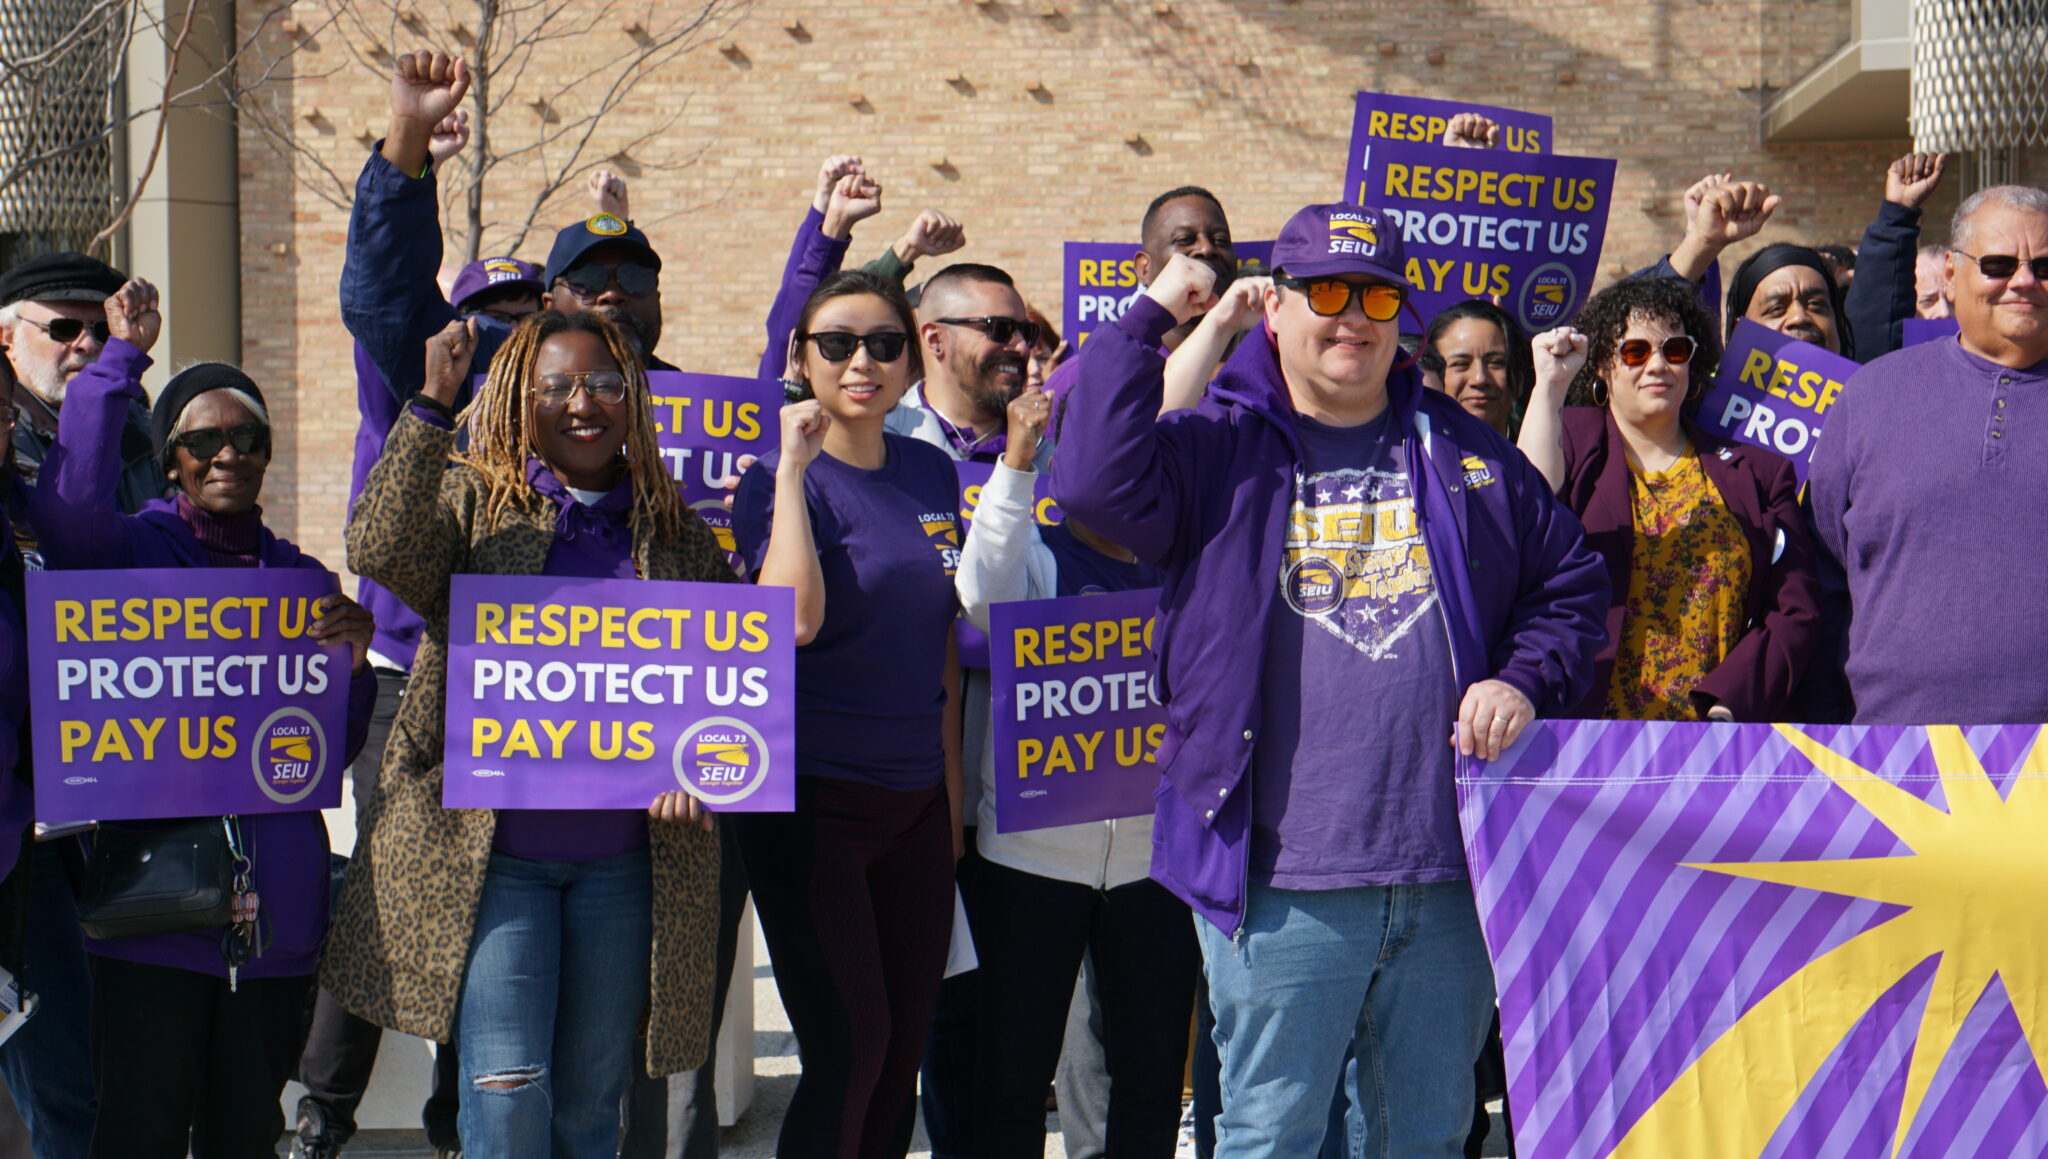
(491, 273)
(1321, 240)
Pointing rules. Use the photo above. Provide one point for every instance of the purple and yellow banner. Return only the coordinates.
(1102, 282)
(606, 693)
(1774, 391)
(704, 423)
(1379, 118)
(1077, 717)
(1754, 940)
(183, 692)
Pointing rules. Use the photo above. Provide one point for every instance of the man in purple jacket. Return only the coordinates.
(1351, 564)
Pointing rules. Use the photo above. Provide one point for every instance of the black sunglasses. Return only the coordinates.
(839, 345)
(205, 443)
(999, 330)
(1677, 350)
(67, 330)
(590, 279)
(1997, 267)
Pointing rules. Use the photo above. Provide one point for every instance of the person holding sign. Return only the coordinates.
(1051, 895)
(855, 888)
(541, 938)
(193, 1042)
(1350, 563)
(1717, 612)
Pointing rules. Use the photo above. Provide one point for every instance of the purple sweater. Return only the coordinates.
(74, 516)
(1931, 490)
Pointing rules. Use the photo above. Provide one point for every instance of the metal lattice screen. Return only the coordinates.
(58, 64)
(1980, 75)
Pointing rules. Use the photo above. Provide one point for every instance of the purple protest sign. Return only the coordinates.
(1101, 282)
(1918, 330)
(604, 694)
(704, 423)
(974, 476)
(1077, 718)
(183, 692)
(1479, 223)
(1380, 118)
(1774, 391)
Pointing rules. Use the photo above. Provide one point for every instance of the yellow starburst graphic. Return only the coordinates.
(1972, 887)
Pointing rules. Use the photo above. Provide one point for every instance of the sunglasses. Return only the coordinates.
(1677, 350)
(204, 444)
(65, 331)
(604, 386)
(590, 279)
(1330, 297)
(1997, 267)
(999, 330)
(839, 345)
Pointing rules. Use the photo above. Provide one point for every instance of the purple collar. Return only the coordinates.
(607, 522)
(965, 444)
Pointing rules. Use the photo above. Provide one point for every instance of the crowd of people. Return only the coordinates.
(1376, 552)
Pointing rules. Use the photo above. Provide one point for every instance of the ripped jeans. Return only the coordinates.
(551, 1003)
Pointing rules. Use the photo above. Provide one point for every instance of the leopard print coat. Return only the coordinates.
(408, 906)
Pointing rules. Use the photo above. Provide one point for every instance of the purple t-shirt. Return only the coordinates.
(592, 541)
(1083, 571)
(870, 689)
(1351, 775)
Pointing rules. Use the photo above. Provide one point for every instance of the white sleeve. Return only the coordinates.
(1004, 559)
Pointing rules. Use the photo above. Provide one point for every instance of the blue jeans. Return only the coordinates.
(48, 1062)
(551, 1004)
(1396, 974)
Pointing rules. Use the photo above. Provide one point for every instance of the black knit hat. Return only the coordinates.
(185, 386)
(65, 277)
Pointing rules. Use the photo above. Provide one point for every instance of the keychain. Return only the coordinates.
(241, 939)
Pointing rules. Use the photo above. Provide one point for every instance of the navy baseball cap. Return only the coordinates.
(1321, 240)
(600, 229)
(492, 273)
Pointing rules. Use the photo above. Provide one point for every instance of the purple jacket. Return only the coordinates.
(1203, 495)
(74, 516)
(398, 627)
(1756, 679)
(812, 257)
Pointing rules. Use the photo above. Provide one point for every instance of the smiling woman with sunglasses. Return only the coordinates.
(1716, 613)
(855, 888)
(182, 1058)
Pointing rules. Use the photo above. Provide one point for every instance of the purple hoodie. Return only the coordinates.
(74, 516)
(1203, 495)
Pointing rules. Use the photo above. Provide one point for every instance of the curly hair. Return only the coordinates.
(1607, 316)
(499, 441)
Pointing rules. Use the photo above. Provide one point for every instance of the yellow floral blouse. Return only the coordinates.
(1687, 588)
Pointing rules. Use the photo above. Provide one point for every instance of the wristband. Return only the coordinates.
(421, 398)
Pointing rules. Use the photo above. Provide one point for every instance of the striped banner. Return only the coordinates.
(1723, 941)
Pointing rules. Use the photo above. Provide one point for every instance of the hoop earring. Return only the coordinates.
(1599, 392)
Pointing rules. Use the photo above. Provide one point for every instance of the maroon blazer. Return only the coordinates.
(1756, 679)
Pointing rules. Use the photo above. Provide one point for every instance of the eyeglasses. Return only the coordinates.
(839, 345)
(205, 443)
(999, 330)
(1330, 297)
(590, 279)
(1999, 267)
(1677, 350)
(604, 386)
(65, 331)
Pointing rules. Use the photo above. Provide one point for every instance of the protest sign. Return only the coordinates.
(606, 693)
(1102, 282)
(1077, 716)
(184, 692)
(1713, 940)
(1774, 391)
(704, 423)
(1477, 223)
(973, 476)
(1918, 330)
(1385, 117)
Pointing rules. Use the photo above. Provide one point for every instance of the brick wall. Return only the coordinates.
(1248, 97)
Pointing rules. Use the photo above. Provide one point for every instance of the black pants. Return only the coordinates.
(341, 1049)
(677, 1117)
(1030, 937)
(946, 1081)
(178, 1060)
(855, 893)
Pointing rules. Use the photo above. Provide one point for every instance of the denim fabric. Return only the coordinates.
(1396, 974)
(551, 1004)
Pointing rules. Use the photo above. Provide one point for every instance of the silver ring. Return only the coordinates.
(1499, 719)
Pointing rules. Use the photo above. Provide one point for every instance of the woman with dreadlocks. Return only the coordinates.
(541, 937)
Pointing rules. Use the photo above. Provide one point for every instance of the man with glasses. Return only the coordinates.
(1930, 490)
(1351, 562)
(977, 339)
